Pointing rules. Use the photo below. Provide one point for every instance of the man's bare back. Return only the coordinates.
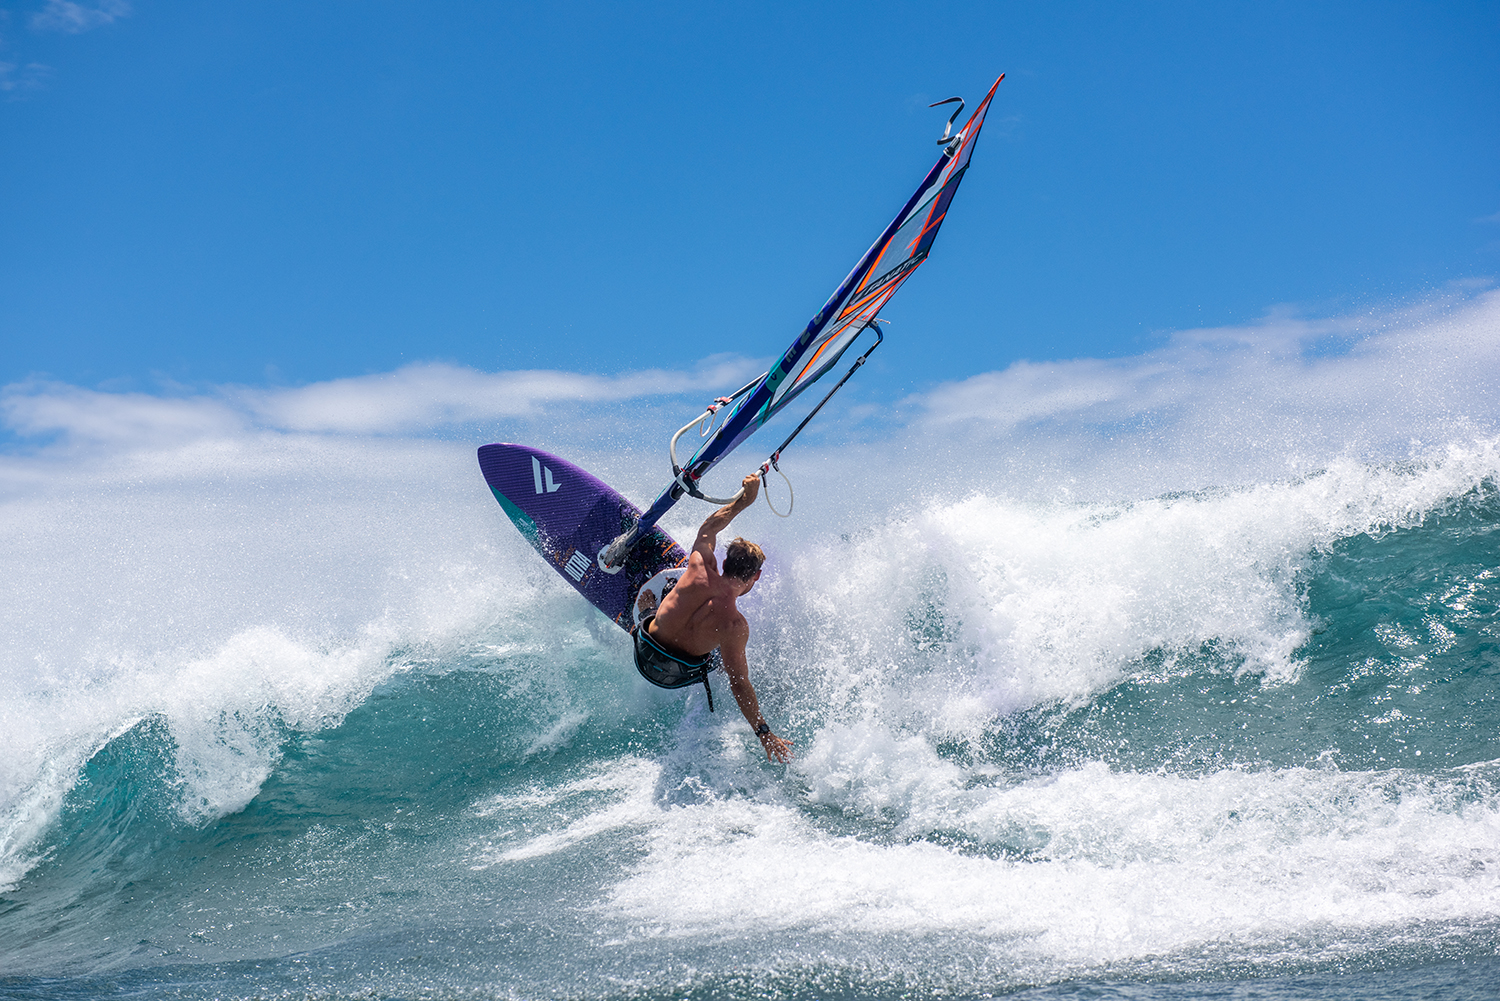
(699, 616)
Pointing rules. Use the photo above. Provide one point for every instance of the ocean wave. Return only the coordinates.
(1096, 698)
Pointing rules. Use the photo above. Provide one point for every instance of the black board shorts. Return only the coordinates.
(666, 669)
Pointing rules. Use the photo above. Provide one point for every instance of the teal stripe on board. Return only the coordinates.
(520, 519)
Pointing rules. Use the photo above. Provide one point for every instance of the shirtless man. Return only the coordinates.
(699, 616)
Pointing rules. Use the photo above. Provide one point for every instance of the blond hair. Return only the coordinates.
(742, 559)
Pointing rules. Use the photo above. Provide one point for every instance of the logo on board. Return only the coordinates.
(538, 471)
(577, 565)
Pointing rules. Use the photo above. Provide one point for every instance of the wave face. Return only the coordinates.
(304, 719)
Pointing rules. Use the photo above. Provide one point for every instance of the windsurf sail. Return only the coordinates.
(854, 305)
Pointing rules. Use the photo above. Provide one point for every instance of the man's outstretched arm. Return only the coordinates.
(708, 534)
(738, 670)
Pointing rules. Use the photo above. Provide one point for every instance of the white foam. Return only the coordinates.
(629, 783)
(234, 589)
(223, 565)
(950, 614)
(1121, 868)
(1088, 870)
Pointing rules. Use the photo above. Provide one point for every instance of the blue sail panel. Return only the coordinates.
(900, 249)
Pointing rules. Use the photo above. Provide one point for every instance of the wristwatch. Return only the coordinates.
(763, 729)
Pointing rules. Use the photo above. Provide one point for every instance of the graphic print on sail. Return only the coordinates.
(901, 248)
(603, 545)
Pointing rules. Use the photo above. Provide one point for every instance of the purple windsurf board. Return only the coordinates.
(569, 516)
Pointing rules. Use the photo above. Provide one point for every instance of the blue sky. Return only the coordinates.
(276, 194)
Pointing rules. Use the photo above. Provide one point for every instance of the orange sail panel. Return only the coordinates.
(890, 261)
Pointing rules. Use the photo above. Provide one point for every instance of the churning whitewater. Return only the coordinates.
(293, 710)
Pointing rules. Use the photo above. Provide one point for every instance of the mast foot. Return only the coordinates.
(612, 557)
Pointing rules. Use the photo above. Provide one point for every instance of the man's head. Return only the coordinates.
(742, 561)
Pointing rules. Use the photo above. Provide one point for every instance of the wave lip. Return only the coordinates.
(956, 613)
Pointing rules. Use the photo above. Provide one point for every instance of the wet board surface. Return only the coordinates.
(657, 588)
(569, 515)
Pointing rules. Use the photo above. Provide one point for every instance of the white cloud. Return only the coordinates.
(1282, 397)
(40, 408)
(75, 18)
(1366, 384)
(17, 80)
(415, 399)
(424, 395)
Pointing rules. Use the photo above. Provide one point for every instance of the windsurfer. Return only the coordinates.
(698, 616)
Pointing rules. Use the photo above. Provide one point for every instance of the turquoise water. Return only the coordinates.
(1232, 743)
